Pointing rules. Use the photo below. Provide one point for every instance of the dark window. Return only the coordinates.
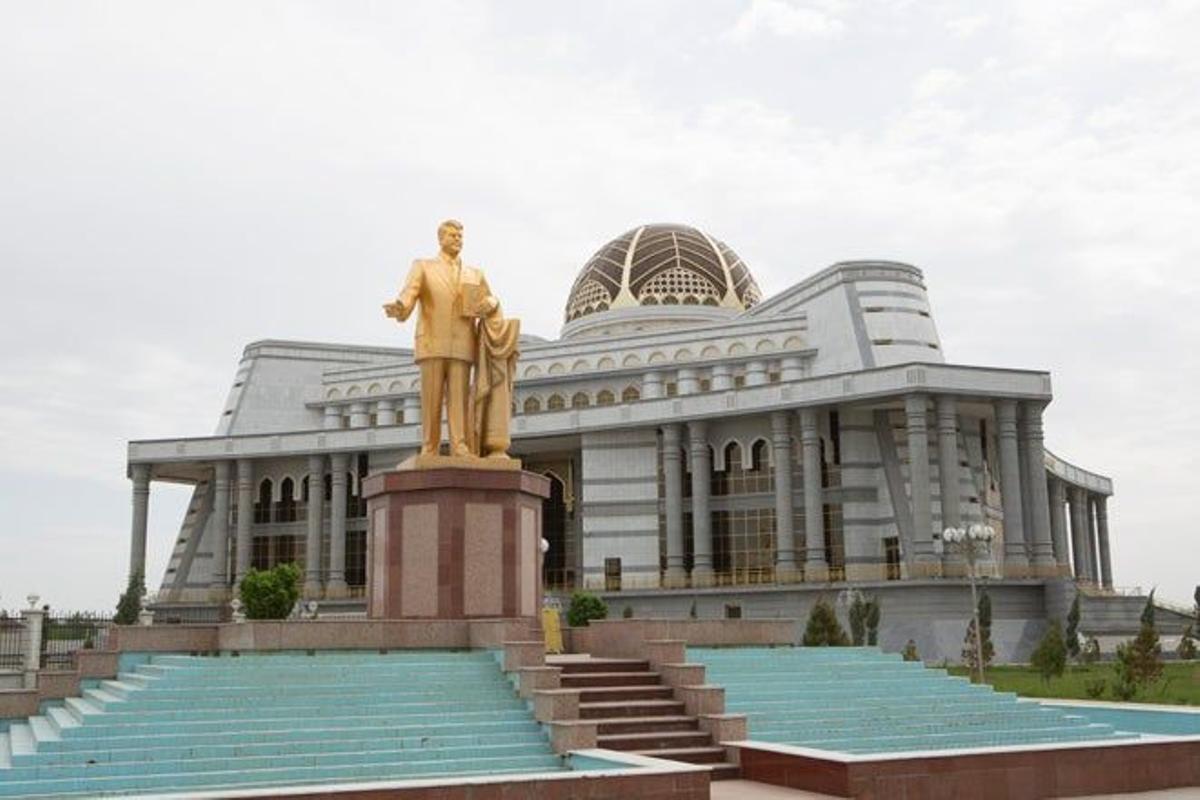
(262, 509)
(532, 405)
(612, 574)
(356, 558)
(891, 554)
(631, 395)
(285, 509)
(555, 574)
(835, 436)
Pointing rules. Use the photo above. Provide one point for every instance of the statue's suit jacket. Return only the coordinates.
(442, 330)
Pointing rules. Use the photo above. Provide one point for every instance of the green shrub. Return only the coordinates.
(627, 612)
(909, 653)
(1187, 645)
(873, 612)
(584, 608)
(1072, 636)
(823, 628)
(1095, 688)
(270, 594)
(1091, 651)
(858, 620)
(1050, 656)
(130, 603)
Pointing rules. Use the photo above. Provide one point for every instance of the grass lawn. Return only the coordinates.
(1180, 684)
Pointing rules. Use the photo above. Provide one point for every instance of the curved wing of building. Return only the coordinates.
(700, 437)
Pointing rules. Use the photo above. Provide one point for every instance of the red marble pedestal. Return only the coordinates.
(456, 543)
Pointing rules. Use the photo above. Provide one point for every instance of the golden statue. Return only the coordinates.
(460, 326)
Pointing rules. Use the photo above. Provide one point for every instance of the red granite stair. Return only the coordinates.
(635, 712)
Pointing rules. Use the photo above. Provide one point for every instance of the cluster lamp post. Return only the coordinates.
(973, 541)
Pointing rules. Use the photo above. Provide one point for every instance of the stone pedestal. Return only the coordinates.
(454, 543)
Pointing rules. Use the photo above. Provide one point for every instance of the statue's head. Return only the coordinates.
(450, 237)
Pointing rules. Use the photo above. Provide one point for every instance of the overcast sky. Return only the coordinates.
(180, 179)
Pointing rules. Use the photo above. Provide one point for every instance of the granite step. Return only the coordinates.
(658, 740)
(575, 667)
(584, 680)
(690, 755)
(606, 694)
(630, 708)
(618, 725)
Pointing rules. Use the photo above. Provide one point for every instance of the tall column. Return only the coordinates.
(785, 537)
(1015, 560)
(947, 438)
(918, 478)
(1093, 555)
(1038, 500)
(673, 480)
(1079, 546)
(816, 568)
(336, 584)
(314, 513)
(333, 418)
(220, 517)
(702, 564)
(1058, 523)
(245, 516)
(1106, 578)
(140, 473)
(756, 373)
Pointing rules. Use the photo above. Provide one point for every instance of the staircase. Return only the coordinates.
(186, 724)
(635, 712)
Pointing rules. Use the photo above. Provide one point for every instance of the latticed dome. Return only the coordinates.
(662, 265)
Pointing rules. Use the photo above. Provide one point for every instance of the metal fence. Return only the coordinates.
(64, 634)
(12, 642)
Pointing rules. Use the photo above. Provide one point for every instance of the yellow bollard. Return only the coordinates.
(552, 628)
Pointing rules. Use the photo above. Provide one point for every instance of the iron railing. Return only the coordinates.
(12, 642)
(64, 634)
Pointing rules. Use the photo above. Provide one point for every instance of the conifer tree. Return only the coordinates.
(130, 603)
(1072, 635)
(823, 628)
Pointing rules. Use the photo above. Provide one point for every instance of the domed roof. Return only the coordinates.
(662, 265)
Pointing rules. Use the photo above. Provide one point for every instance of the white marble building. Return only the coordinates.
(706, 444)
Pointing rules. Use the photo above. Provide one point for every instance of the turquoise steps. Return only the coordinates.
(239, 778)
(857, 700)
(180, 723)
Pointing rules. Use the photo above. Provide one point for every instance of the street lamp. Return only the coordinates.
(973, 542)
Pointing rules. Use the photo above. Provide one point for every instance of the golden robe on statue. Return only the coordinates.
(495, 368)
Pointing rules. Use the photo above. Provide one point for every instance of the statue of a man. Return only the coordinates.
(453, 298)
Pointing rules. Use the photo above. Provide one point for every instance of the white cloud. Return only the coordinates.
(966, 27)
(937, 82)
(785, 19)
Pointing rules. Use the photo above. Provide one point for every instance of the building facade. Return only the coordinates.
(704, 443)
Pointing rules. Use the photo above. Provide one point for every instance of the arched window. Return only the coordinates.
(605, 398)
(580, 400)
(532, 405)
(724, 482)
(556, 403)
(304, 490)
(262, 509)
(758, 456)
(285, 509)
(630, 395)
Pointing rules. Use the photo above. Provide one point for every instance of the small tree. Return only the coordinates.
(1091, 651)
(584, 608)
(271, 593)
(1187, 645)
(858, 620)
(972, 650)
(1139, 661)
(1148, 611)
(823, 628)
(873, 613)
(1072, 636)
(1050, 656)
(130, 603)
(909, 653)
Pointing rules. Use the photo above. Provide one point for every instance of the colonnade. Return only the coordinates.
(234, 491)
(1034, 525)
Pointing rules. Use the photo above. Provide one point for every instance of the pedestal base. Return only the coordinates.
(454, 543)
